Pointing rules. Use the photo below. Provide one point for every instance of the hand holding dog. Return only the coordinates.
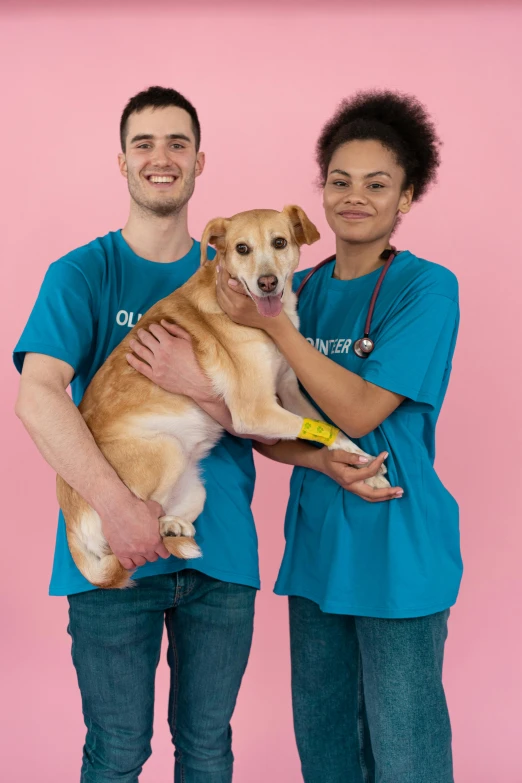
(164, 354)
(132, 532)
(345, 469)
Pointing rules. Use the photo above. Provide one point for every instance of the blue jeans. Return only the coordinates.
(369, 706)
(116, 643)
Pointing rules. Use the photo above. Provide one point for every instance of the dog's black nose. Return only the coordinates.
(267, 283)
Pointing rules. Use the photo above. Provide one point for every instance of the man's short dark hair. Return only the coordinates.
(159, 98)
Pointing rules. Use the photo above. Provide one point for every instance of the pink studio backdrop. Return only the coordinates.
(264, 80)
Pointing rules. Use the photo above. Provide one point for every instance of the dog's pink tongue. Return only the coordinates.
(269, 306)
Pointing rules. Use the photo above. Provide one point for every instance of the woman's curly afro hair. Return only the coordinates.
(400, 122)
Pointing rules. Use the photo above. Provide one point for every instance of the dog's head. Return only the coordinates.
(260, 248)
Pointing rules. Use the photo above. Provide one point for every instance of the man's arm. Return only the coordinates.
(66, 443)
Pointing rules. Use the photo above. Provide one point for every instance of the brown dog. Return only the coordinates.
(154, 439)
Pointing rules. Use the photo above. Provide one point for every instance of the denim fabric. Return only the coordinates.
(369, 705)
(116, 644)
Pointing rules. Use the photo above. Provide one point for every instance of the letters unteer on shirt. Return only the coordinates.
(329, 347)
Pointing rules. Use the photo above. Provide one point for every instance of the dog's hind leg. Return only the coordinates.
(183, 507)
(155, 471)
(150, 468)
(87, 544)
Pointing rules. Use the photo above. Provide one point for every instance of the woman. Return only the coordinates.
(369, 583)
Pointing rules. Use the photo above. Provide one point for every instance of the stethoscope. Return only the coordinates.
(364, 345)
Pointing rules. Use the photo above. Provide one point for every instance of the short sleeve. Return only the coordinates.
(62, 322)
(414, 349)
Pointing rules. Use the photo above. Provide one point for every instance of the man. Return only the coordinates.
(88, 301)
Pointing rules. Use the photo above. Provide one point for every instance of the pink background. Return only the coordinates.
(264, 80)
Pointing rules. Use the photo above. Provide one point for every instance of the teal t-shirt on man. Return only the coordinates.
(88, 301)
(399, 558)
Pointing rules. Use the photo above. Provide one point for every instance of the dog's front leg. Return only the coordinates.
(294, 400)
(254, 409)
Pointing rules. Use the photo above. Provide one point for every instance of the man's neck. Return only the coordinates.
(160, 239)
(356, 260)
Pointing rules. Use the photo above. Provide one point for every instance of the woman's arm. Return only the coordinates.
(153, 357)
(342, 467)
(355, 405)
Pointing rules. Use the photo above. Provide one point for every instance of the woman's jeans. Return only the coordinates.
(369, 706)
(116, 644)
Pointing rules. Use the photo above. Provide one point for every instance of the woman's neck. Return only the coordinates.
(356, 260)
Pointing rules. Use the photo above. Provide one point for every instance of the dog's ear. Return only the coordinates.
(214, 234)
(304, 230)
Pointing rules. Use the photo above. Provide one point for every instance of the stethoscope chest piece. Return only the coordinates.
(363, 347)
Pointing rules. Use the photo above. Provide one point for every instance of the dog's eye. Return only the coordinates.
(243, 249)
(279, 243)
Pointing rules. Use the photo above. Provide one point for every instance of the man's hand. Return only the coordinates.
(133, 533)
(341, 467)
(167, 359)
(164, 354)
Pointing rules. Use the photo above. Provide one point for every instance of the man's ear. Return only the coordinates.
(200, 163)
(304, 230)
(122, 163)
(215, 233)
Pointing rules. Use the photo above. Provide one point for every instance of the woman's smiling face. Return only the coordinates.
(364, 192)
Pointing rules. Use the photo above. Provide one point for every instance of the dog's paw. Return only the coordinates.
(382, 470)
(377, 482)
(343, 443)
(174, 526)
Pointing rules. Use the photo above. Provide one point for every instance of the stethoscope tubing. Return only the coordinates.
(375, 294)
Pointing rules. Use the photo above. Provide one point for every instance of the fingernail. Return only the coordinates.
(399, 494)
(386, 455)
(218, 267)
(233, 283)
(363, 459)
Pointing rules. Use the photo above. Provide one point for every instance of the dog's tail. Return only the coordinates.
(183, 547)
(106, 572)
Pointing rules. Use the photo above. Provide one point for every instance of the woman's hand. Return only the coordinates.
(239, 306)
(164, 354)
(340, 466)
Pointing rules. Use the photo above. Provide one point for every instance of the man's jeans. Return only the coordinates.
(369, 706)
(116, 643)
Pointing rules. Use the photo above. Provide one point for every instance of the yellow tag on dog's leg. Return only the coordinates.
(319, 431)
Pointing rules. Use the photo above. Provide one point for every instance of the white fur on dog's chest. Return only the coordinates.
(195, 429)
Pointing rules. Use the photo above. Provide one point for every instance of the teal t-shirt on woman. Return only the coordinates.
(399, 558)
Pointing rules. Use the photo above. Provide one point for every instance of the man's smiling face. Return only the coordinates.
(160, 160)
